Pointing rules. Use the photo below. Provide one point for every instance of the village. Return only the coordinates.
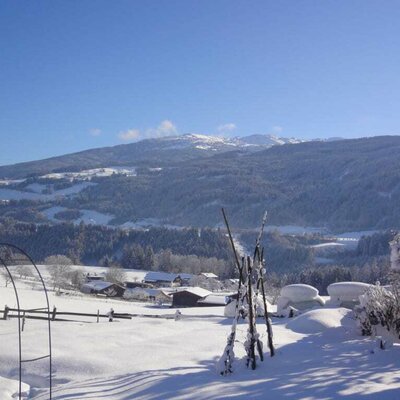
(164, 288)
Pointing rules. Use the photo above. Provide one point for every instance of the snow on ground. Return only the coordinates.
(12, 194)
(157, 358)
(92, 173)
(9, 389)
(94, 217)
(88, 216)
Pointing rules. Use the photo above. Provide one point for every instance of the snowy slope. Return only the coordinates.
(155, 358)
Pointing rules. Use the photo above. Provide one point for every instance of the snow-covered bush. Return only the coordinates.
(346, 294)
(379, 311)
(298, 297)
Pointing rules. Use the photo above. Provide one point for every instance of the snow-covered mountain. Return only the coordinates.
(217, 143)
(149, 152)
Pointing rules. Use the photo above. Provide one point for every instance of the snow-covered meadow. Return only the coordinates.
(320, 355)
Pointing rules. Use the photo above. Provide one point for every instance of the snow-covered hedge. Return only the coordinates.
(299, 292)
(347, 291)
(298, 296)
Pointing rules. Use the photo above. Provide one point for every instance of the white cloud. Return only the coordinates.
(226, 127)
(95, 132)
(165, 128)
(128, 135)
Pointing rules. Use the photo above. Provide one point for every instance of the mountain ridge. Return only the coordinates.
(144, 152)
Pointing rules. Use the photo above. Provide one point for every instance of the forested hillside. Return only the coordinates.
(343, 185)
(347, 185)
(89, 244)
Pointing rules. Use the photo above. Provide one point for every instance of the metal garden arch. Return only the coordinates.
(11, 257)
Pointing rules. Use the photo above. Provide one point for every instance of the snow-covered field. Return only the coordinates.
(320, 355)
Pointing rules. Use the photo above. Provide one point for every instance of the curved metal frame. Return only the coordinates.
(11, 247)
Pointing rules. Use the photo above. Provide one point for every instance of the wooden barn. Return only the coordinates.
(188, 297)
(103, 288)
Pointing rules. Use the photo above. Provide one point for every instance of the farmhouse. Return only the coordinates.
(104, 288)
(163, 279)
(188, 297)
(95, 277)
(136, 284)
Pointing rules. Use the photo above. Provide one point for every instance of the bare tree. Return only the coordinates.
(24, 271)
(6, 277)
(58, 259)
(115, 274)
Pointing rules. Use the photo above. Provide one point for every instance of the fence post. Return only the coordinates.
(98, 316)
(6, 311)
(23, 322)
(53, 317)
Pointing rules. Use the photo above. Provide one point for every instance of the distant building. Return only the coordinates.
(103, 288)
(162, 279)
(188, 297)
(90, 278)
(185, 278)
(209, 275)
(136, 284)
(148, 294)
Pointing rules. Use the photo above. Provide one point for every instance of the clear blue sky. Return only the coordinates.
(83, 74)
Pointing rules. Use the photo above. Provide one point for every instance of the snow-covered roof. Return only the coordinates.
(97, 285)
(209, 275)
(196, 291)
(155, 292)
(186, 276)
(214, 299)
(160, 276)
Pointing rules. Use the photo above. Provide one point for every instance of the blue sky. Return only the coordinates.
(83, 74)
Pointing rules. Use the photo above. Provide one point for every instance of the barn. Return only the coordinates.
(103, 288)
(188, 297)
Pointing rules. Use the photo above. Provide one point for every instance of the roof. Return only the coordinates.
(160, 276)
(200, 292)
(98, 285)
(214, 299)
(155, 292)
(186, 276)
(209, 275)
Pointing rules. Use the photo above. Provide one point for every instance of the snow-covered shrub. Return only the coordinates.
(299, 297)
(379, 311)
(346, 294)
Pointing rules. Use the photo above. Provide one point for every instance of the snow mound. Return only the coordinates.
(315, 321)
(9, 389)
(299, 292)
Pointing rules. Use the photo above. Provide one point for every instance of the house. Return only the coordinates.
(209, 275)
(188, 297)
(185, 278)
(103, 288)
(90, 278)
(162, 279)
(148, 294)
(137, 284)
